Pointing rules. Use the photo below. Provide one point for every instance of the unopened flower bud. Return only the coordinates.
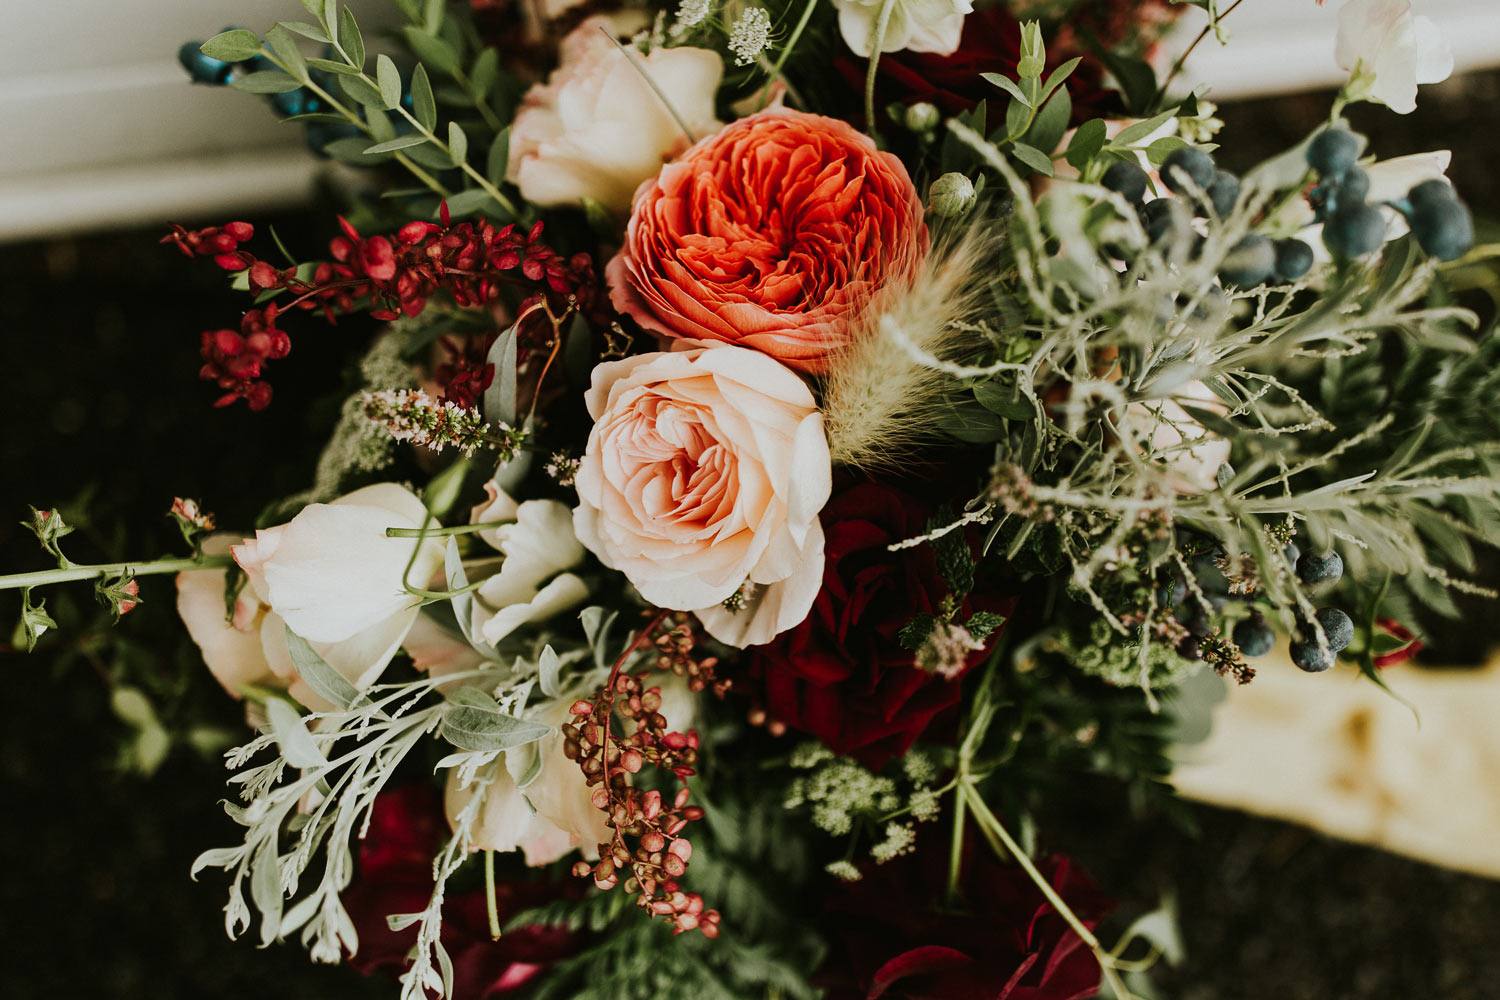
(951, 195)
(922, 117)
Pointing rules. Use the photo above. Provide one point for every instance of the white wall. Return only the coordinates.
(99, 126)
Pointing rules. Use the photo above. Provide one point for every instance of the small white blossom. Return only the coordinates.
(750, 36)
(946, 650)
(845, 870)
(691, 13)
(1388, 50)
(900, 838)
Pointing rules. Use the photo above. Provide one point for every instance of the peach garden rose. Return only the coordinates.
(702, 482)
(777, 234)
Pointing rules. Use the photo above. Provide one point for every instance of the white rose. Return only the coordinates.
(1388, 50)
(532, 583)
(918, 25)
(333, 577)
(597, 128)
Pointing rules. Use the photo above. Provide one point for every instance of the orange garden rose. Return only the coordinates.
(776, 234)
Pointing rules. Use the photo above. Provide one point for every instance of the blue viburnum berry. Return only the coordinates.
(1337, 627)
(1355, 231)
(1319, 567)
(1333, 151)
(1223, 192)
(1443, 226)
(1127, 180)
(1254, 636)
(1311, 657)
(1249, 262)
(1354, 187)
(1188, 162)
(1294, 258)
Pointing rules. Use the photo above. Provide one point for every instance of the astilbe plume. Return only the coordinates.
(647, 840)
(387, 276)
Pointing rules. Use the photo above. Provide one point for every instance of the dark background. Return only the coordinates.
(99, 355)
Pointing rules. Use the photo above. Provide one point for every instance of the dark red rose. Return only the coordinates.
(395, 876)
(892, 939)
(841, 675)
(991, 43)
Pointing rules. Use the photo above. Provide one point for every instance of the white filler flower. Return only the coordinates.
(1388, 50)
(918, 25)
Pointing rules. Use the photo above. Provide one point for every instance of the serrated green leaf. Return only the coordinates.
(389, 79)
(400, 142)
(235, 45)
(266, 81)
(498, 161)
(435, 52)
(1008, 85)
(423, 105)
(1033, 158)
(458, 144)
(361, 91)
(350, 39)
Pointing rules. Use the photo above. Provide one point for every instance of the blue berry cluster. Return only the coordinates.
(1352, 227)
(1252, 261)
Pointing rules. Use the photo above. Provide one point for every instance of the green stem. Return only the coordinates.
(1172, 74)
(882, 21)
(457, 529)
(786, 51)
(491, 904)
(430, 182)
(17, 581)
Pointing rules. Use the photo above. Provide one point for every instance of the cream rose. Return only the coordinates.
(597, 128)
(702, 482)
(332, 576)
(231, 645)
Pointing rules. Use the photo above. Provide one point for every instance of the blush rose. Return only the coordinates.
(778, 234)
(702, 481)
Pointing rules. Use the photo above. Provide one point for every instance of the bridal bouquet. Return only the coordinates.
(816, 456)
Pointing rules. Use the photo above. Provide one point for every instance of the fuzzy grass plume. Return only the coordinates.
(884, 392)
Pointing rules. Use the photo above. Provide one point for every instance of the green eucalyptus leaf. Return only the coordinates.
(1008, 85)
(1087, 141)
(309, 31)
(350, 38)
(432, 16)
(498, 161)
(357, 88)
(484, 74)
(333, 66)
(266, 81)
(435, 52)
(400, 142)
(1133, 133)
(235, 45)
(285, 47)
(330, 19)
(500, 397)
(423, 104)
(1033, 158)
(351, 150)
(389, 79)
(1051, 122)
(458, 144)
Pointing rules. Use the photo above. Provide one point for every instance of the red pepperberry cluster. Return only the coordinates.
(647, 842)
(388, 276)
(235, 360)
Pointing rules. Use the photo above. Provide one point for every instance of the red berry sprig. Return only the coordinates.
(647, 841)
(387, 276)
